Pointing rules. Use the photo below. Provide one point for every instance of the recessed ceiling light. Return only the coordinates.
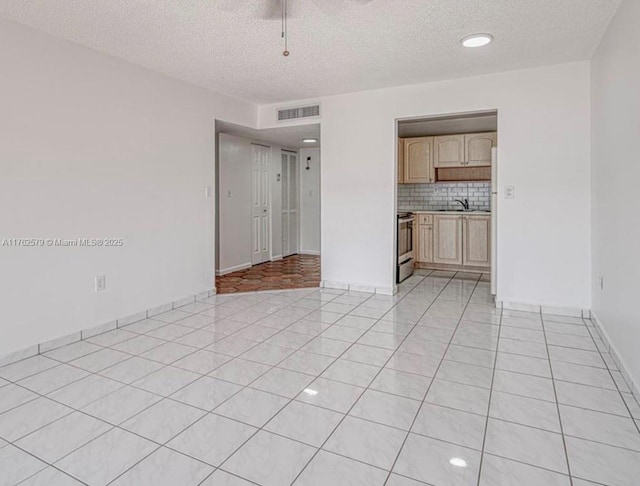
(309, 140)
(477, 40)
(311, 392)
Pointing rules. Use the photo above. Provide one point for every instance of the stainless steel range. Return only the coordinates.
(405, 260)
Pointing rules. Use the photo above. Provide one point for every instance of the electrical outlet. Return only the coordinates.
(101, 283)
(509, 192)
(228, 192)
(207, 192)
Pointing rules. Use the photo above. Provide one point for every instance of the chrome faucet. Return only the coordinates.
(465, 204)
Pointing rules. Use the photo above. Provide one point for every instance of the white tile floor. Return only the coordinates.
(321, 387)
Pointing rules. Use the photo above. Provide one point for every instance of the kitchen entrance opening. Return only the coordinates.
(446, 197)
(267, 211)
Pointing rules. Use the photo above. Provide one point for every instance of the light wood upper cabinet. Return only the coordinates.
(418, 160)
(447, 239)
(449, 151)
(452, 155)
(477, 147)
(400, 160)
(476, 241)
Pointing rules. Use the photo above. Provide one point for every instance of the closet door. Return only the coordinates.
(285, 205)
(290, 212)
(260, 213)
(294, 214)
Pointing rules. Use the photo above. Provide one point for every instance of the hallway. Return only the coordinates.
(293, 272)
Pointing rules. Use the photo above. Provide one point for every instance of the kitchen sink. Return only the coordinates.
(463, 211)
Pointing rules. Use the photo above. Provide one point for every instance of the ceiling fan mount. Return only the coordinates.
(284, 9)
(272, 9)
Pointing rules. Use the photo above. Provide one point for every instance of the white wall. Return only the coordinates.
(616, 171)
(234, 212)
(234, 203)
(95, 147)
(309, 201)
(544, 151)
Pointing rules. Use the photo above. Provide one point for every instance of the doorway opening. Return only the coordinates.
(267, 208)
(446, 196)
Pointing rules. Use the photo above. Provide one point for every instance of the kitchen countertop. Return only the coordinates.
(452, 211)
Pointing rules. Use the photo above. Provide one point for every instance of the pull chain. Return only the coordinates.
(285, 33)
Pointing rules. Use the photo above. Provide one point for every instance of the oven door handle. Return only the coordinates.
(406, 220)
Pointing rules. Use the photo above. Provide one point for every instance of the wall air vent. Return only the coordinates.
(302, 112)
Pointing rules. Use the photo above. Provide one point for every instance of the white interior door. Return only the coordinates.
(290, 214)
(261, 241)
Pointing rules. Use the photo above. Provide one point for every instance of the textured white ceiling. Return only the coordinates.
(224, 45)
(285, 137)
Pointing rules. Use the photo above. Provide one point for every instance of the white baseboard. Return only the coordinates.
(632, 382)
(19, 355)
(330, 284)
(544, 309)
(310, 252)
(58, 342)
(276, 258)
(224, 271)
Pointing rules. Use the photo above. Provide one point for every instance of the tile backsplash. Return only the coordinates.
(431, 197)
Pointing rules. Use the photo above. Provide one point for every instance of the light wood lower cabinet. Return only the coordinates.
(454, 239)
(447, 239)
(425, 243)
(476, 235)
